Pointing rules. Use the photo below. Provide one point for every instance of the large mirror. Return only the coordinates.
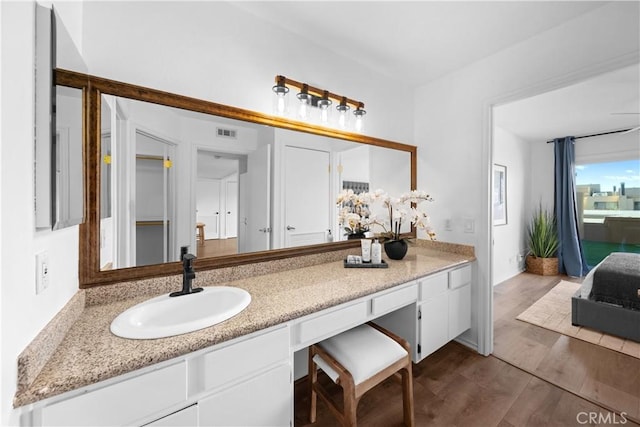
(168, 173)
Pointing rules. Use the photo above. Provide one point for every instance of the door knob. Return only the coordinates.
(265, 230)
(289, 228)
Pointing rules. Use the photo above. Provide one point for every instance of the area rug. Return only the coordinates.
(553, 312)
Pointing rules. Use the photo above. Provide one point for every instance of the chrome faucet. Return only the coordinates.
(187, 276)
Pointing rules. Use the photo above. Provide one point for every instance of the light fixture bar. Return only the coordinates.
(282, 80)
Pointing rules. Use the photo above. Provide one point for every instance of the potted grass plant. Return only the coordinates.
(543, 243)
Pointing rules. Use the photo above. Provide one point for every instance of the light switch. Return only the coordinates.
(469, 225)
(447, 225)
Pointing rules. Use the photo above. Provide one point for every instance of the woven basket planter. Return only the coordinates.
(542, 266)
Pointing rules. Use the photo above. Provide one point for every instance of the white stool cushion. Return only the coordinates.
(363, 351)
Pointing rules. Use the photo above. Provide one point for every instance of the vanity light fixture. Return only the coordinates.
(359, 113)
(309, 97)
(305, 99)
(280, 99)
(343, 110)
(323, 104)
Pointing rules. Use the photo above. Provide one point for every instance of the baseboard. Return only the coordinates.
(465, 342)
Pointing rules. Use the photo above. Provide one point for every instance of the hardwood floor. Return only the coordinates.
(605, 377)
(217, 247)
(534, 378)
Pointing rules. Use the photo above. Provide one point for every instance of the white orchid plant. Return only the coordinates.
(356, 217)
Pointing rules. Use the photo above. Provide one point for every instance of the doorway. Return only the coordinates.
(217, 196)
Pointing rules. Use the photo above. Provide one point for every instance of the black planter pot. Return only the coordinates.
(396, 249)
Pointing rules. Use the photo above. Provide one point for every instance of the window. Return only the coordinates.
(608, 196)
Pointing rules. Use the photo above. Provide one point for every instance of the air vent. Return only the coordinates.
(227, 133)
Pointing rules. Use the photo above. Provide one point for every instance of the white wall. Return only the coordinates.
(234, 66)
(23, 313)
(453, 122)
(509, 240)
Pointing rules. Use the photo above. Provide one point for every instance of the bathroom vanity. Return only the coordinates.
(210, 376)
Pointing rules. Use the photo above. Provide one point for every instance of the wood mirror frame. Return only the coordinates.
(89, 255)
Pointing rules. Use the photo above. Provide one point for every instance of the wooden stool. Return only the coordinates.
(200, 232)
(358, 360)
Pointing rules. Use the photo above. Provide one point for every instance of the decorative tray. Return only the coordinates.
(383, 264)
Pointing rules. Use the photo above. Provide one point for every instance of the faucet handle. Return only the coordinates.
(187, 260)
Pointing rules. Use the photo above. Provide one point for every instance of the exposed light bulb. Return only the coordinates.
(342, 119)
(359, 113)
(303, 111)
(280, 91)
(323, 104)
(324, 115)
(280, 104)
(359, 125)
(342, 108)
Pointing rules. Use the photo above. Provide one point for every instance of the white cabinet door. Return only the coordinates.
(183, 418)
(264, 400)
(434, 331)
(459, 310)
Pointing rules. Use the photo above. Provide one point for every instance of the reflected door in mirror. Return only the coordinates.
(307, 196)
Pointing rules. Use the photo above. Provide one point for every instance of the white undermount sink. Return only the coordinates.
(165, 316)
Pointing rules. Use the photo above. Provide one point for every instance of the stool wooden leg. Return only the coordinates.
(350, 404)
(313, 378)
(407, 396)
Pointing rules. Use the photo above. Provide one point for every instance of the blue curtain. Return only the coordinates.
(571, 259)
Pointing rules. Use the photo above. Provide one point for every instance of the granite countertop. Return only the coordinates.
(89, 352)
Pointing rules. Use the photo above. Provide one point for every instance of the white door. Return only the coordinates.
(256, 222)
(307, 196)
(208, 206)
(231, 204)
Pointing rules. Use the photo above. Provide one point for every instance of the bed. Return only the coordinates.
(609, 298)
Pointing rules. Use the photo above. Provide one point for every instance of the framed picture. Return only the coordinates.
(499, 195)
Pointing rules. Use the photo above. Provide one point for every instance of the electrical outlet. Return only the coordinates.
(42, 271)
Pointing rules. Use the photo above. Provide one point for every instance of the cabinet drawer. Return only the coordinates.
(459, 277)
(214, 369)
(396, 299)
(433, 285)
(121, 403)
(313, 330)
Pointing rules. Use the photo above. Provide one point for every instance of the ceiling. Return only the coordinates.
(581, 109)
(416, 41)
